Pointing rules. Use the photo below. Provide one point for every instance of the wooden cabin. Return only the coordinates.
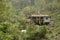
(40, 19)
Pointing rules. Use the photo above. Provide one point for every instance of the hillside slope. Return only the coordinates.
(13, 16)
(50, 7)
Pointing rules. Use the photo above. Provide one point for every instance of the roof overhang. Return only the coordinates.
(40, 15)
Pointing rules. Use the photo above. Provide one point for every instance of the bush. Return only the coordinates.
(41, 33)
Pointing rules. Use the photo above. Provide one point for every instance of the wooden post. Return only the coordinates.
(39, 21)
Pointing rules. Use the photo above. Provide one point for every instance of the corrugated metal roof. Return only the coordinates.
(39, 15)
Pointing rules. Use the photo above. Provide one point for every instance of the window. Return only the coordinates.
(46, 18)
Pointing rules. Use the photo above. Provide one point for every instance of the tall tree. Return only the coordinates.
(3, 9)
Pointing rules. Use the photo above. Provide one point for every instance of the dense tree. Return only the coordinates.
(13, 15)
(6, 27)
(3, 9)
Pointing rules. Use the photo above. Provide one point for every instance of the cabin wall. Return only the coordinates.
(40, 20)
(46, 19)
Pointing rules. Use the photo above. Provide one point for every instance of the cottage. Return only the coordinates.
(40, 19)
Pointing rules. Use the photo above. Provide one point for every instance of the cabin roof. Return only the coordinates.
(39, 15)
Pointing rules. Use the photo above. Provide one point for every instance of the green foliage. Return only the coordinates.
(13, 16)
(34, 34)
(8, 31)
(3, 9)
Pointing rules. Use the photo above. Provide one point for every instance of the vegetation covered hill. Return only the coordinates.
(13, 15)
